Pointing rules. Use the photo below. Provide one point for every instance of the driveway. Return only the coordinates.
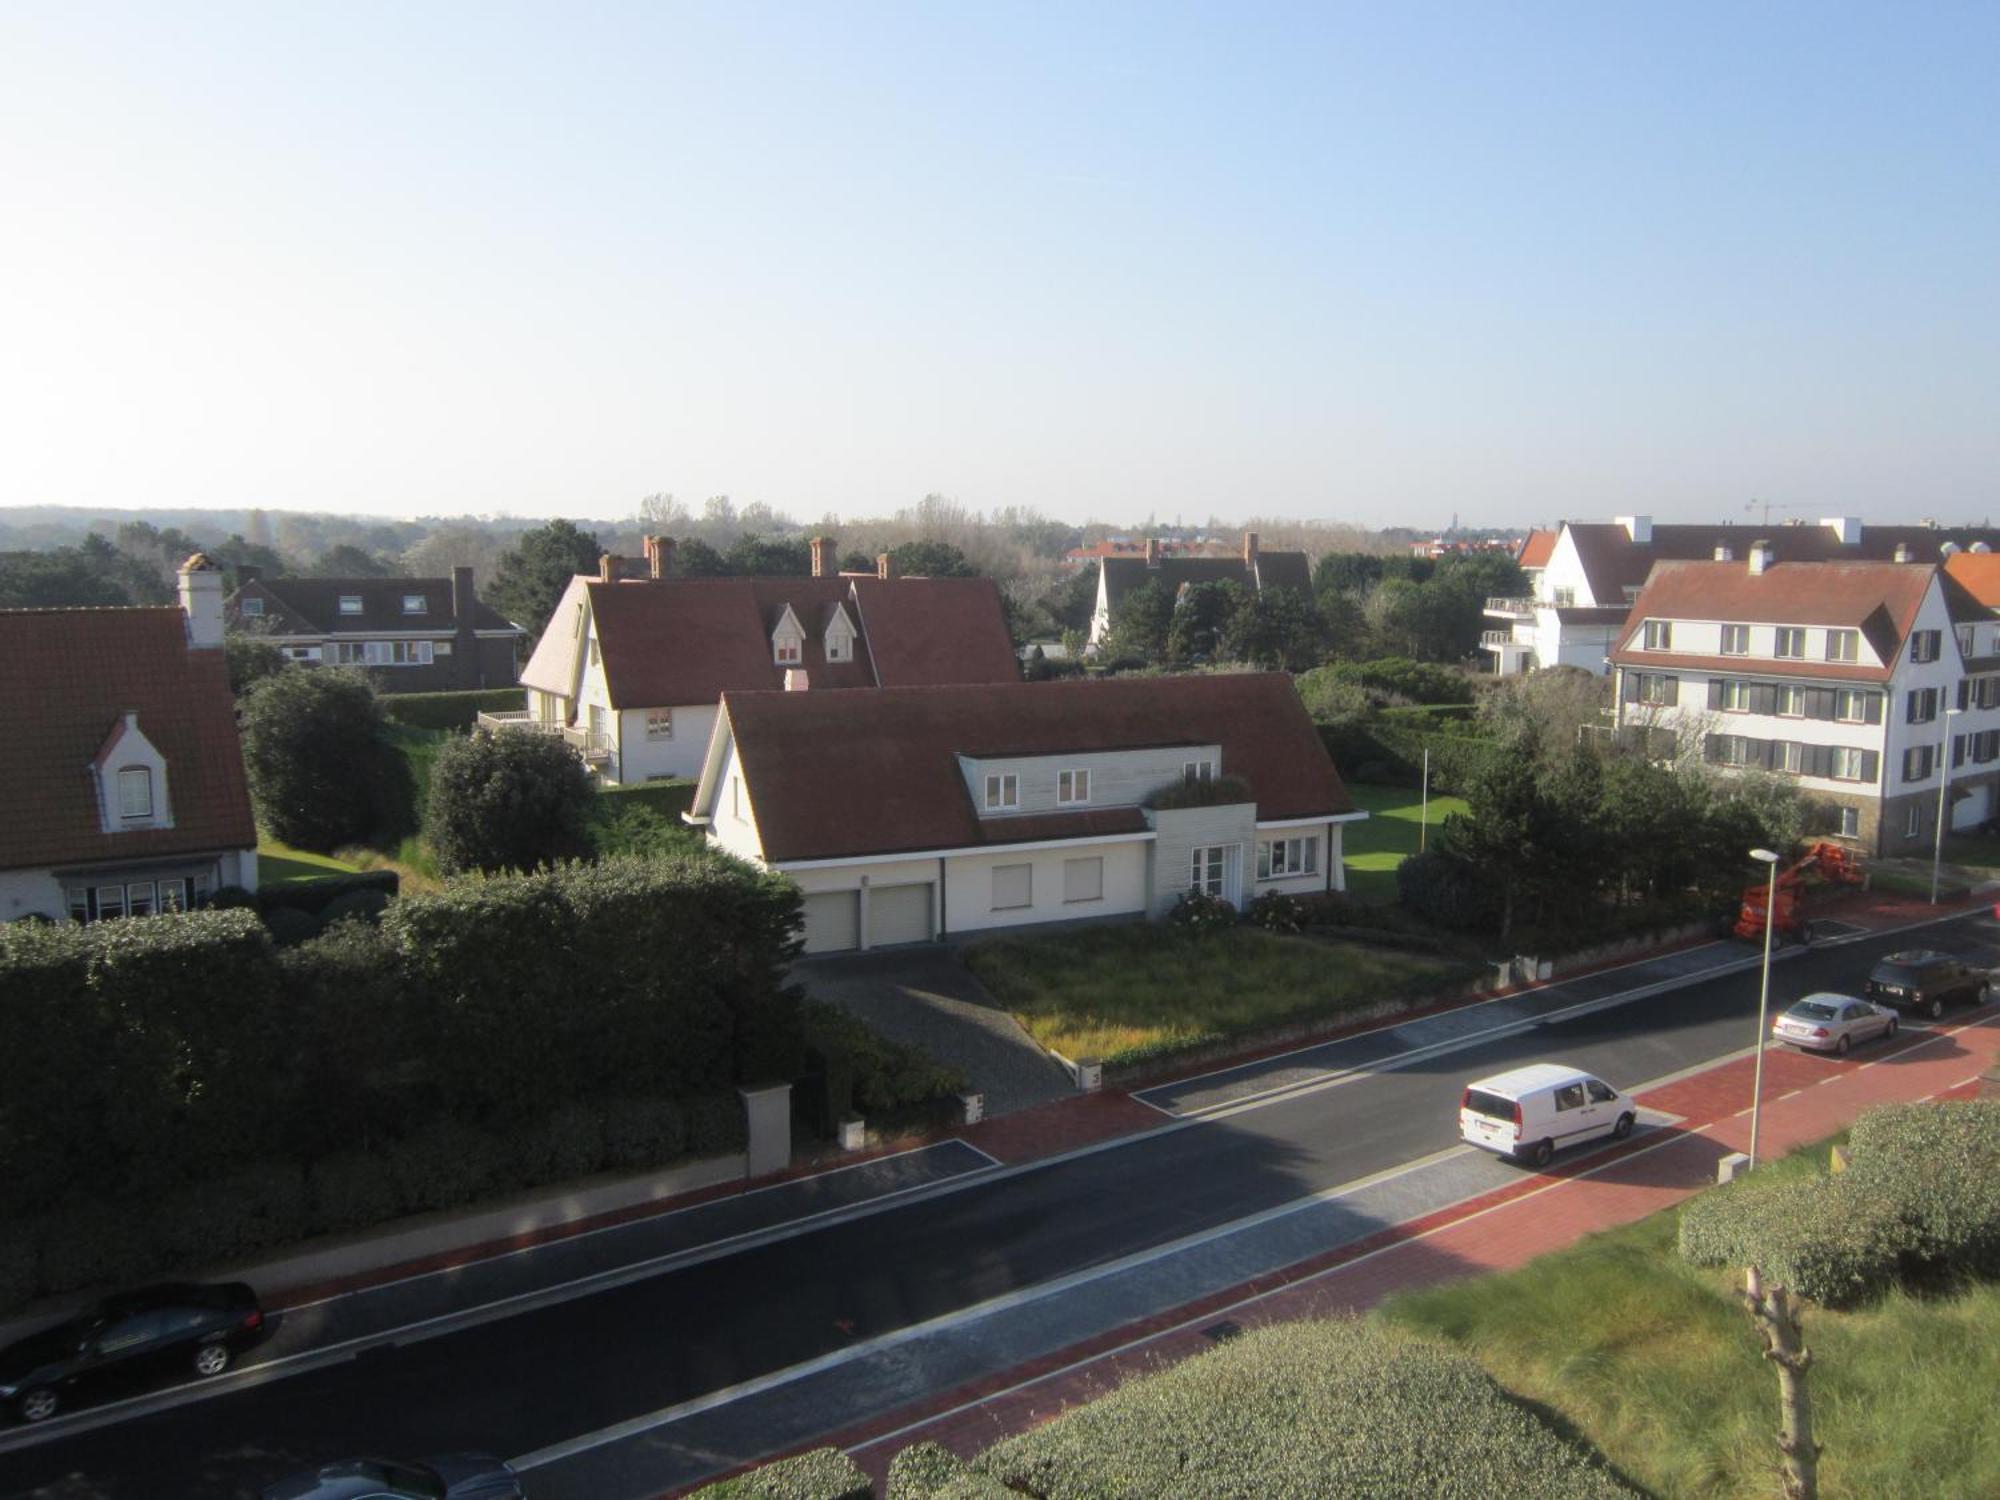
(925, 997)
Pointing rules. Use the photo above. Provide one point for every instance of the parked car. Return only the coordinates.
(159, 1329)
(1532, 1112)
(1924, 980)
(454, 1476)
(1833, 1023)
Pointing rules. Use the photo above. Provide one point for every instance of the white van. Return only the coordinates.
(1530, 1113)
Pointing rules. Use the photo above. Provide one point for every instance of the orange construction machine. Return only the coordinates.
(1830, 861)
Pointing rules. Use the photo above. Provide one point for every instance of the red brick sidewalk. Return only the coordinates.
(1805, 1099)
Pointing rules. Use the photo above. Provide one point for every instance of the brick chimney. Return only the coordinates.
(201, 601)
(885, 569)
(1760, 558)
(608, 564)
(1152, 552)
(1902, 552)
(1249, 549)
(465, 621)
(1724, 552)
(797, 680)
(822, 556)
(659, 557)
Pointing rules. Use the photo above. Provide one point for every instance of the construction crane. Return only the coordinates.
(1831, 861)
(1771, 505)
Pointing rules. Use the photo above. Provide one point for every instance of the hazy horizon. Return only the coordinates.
(1350, 264)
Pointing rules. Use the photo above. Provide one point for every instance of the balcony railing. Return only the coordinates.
(1495, 639)
(592, 747)
(1517, 609)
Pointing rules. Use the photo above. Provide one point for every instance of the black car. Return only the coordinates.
(177, 1328)
(456, 1476)
(1925, 981)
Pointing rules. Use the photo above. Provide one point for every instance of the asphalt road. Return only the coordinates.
(539, 1377)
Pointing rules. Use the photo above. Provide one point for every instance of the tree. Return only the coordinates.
(66, 577)
(754, 556)
(930, 560)
(534, 572)
(1139, 628)
(1557, 704)
(1205, 616)
(507, 802)
(250, 660)
(322, 770)
(349, 561)
(1346, 573)
(694, 558)
(1276, 629)
(232, 554)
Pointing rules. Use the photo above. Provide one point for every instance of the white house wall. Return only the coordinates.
(733, 821)
(643, 759)
(1329, 858)
(31, 892)
(1118, 778)
(969, 886)
(1180, 831)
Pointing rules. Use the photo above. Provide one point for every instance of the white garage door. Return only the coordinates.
(899, 914)
(1970, 812)
(833, 921)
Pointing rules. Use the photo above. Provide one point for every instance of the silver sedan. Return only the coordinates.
(1832, 1023)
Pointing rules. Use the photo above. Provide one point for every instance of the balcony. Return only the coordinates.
(1511, 609)
(1494, 640)
(593, 748)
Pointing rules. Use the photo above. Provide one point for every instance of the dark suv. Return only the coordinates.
(197, 1329)
(1923, 981)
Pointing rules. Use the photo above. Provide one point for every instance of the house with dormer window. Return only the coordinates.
(907, 815)
(635, 659)
(126, 790)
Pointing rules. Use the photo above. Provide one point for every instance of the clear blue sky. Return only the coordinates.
(1378, 262)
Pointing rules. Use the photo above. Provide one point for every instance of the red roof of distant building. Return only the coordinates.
(73, 674)
(833, 775)
(1538, 549)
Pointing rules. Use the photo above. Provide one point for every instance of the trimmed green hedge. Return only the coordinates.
(451, 710)
(1920, 1197)
(858, 1071)
(1319, 1408)
(822, 1474)
(316, 895)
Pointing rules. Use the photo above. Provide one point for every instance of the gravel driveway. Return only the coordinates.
(925, 997)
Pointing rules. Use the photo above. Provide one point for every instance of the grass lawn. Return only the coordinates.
(278, 863)
(1374, 847)
(1653, 1363)
(1105, 991)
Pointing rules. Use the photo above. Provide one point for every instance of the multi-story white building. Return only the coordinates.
(1583, 576)
(1876, 685)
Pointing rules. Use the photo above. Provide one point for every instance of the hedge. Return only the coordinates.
(316, 895)
(822, 1474)
(853, 1070)
(1920, 1197)
(1317, 1408)
(451, 710)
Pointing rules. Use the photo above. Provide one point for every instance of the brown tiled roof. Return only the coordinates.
(72, 674)
(847, 774)
(1287, 570)
(1978, 573)
(1537, 549)
(311, 606)
(676, 642)
(1878, 599)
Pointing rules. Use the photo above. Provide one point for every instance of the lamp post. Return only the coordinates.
(1424, 820)
(1944, 785)
(1770, 860)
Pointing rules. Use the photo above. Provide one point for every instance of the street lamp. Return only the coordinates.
(1944, 785)
(1769, 859)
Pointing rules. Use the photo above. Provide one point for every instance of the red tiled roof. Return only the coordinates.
(1537, 549)
(72, 674)
(833, 775)
(934, 632)
(1978, 573)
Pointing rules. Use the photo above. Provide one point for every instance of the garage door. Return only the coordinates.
(1972, 810)
(899, 914)
(833, 921)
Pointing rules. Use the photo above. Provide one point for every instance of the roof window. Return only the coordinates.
(350, 604)
(251, 607)
(415, 604)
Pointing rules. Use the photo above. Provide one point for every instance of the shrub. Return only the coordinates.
(642, 1133)
(95, 1243)
(1448, 892)
(20, 1265)
(349, 1190)
(715, 1125)
(1830, 1239)
(1217, 791)
(322, 771)
(1318, 1408)
(1198, 913)
(822, 1474)
(1275, 911)
(921, 1470)
(226, 1218)
(867, 1073)
(507, 802)
(1941, 1163)
(451, 711)
(567, 1145)
(289, 926)
(231, 898)
(444, 1165)
(317, 895)
(368, 906)
(1399, 679)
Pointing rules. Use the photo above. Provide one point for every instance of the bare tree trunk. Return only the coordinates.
(1776, 1317)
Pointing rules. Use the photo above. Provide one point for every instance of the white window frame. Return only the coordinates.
(1964, 635)
(132, 809)
(1735, 695)
(1790, 702)
(1736, 640)
(1208, 870)
(1073, 788)
(787, 650)
(659, 723)
(1924, 645)
(250, 607)
(350, 604)
(416, 604)
(1026, 874)
(1793, 636)
(1659, 635)
(1850, 823)
(1003, 791)
(1924, 756)
(1843, 645)
(1847, 763)
(1913, 820)
(1288, 858)
(838, 647)
(1850, 706)
(1197, 770)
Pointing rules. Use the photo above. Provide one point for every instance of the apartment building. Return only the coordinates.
(1875, 685)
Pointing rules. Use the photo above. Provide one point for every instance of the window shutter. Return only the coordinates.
(1628, 686)
(1715, 692)
(1711, 748)
(1819, 703)
(1763, 698)
(1872, 703)
(1767, 754)
(1673, 695)
(1964, 691)
(1871, 765)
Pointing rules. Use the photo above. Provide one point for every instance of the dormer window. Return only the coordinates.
(251, 607)
(1072, 788)
(1003, 792)
(135, 793)
(838, 647)
(415, 604)
(350, 604)
(787, 650)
